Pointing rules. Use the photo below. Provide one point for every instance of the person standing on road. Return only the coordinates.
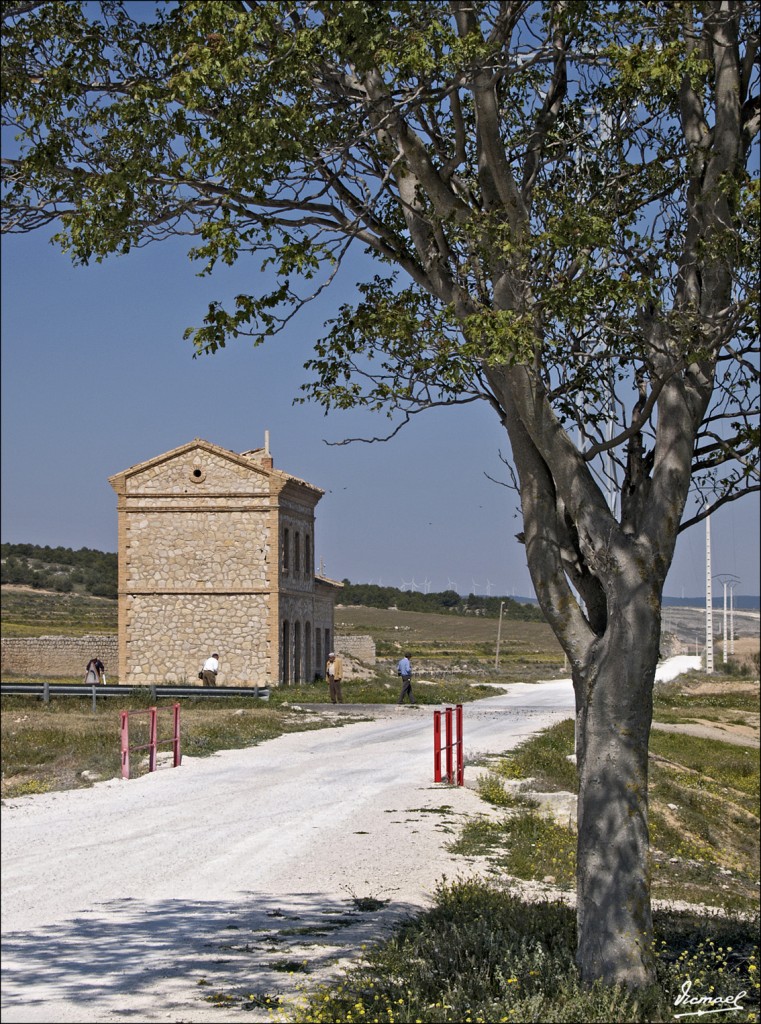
(209, 671)
(404, 669)
(334, 670)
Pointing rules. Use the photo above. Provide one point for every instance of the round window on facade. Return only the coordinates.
(197, 475)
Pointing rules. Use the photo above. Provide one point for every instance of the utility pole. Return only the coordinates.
(499, 633)
(727, 580)
(732, 586)
(709, 600)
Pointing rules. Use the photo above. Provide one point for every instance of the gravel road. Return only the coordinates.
(249, 873)
(135, 900)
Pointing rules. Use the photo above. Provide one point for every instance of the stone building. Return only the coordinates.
(216, 554)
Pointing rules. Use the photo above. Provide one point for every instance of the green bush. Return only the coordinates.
(482, 954)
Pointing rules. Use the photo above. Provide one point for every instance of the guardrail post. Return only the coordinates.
(94, 700)
(46, 692)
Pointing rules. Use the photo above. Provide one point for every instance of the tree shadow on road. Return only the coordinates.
(174, 954)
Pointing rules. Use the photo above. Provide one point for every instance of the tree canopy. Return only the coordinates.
(562, 200)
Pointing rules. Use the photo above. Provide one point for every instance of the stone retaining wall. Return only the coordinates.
(360, 647)
(67, 656)
(59, 655)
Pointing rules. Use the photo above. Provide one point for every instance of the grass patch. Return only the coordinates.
(703, 816)
(381, 691)
(526, 845)
(482, 954)
(47, 747)
(544, 758)
(672, 704)
(28, 613)
(490, 787)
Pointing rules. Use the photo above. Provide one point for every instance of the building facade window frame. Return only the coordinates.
(297, 653)
(285, 652)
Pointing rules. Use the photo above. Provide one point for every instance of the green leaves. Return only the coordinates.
(537, 184)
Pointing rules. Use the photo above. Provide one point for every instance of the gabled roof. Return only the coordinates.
(327, 581)
(247, 459)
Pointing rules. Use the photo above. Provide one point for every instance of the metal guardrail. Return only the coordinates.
(47, 690)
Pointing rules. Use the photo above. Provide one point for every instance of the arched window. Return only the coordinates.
(308, 567)
(308, 673)
(285, 654)
(327, 642)
(320, 667)
(297, 554)
(297, 653)
(286, 549)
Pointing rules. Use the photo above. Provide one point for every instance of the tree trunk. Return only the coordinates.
(614, 710)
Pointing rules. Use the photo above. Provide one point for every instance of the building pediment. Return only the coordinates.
(197, 467)
(204, 469)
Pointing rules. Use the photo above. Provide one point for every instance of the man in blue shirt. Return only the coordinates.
(404, 669)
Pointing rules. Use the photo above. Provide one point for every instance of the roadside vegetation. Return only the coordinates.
(704, 820)
(483, 954)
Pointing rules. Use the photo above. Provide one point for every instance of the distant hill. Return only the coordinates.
(448, 601)
(90, 572)
(747, 602)
(64, 570)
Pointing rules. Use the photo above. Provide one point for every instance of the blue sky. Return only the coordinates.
(96, 377)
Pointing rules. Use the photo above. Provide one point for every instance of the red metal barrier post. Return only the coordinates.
(437, 746)
(453, 746)
(153, 742)
(124, 716)
(152, 739)
(460, 755)
(448, 754)
(176, 736)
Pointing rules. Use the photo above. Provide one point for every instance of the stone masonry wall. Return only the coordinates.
(173, 634)
(59, 655)
(360, 647)
(203, 549)
(55, 656)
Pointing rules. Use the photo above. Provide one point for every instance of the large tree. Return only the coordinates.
(559, 199)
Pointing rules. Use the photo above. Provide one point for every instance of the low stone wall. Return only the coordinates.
(59, 655)
(67, 656)
(360, 647)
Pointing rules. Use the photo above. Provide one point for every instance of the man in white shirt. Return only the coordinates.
(209, 671)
